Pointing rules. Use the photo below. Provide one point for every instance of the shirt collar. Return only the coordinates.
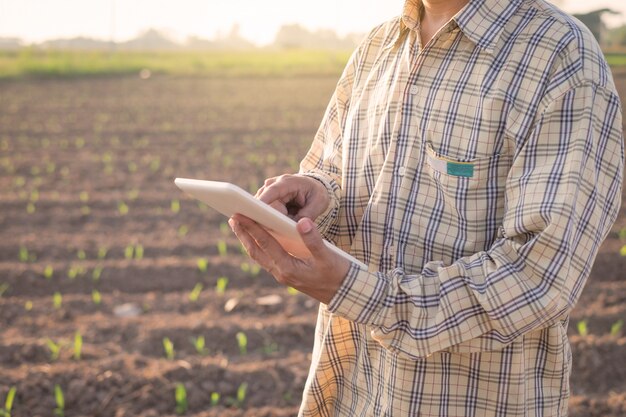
(482, 21)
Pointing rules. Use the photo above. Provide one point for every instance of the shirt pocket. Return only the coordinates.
(470, 193)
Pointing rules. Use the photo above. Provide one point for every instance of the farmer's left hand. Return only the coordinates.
(319, 276)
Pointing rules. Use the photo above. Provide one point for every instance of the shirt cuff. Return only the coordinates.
(361, 296)
(324, 221)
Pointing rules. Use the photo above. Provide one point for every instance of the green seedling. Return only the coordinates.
(242, 341)
(215, 399)
(85, 210)
(292, 291)
(122, 208)
(129, 251)
(34, 196)
(133, 194)
(55, 349)
(183, 230)
(199, 344)
(220, 287)
(225, 229)
(3, 288)
(222, 249)
(583, 330)
(48, 272)
(102, 252)
(28, 305)
(195, 293)
(245, 267)
(622, 233)
(19, 182)
(203, 265)
(30, 208)
(57, 300)
(8, 403)
(132, 167)
(616, 328)
(96, 297)
(155, 164)
(180, 396)
(84, 196)
(241, 393)
(138, 251)
(175, 206)
(59, 411)
(96, 273)
(78, 345)
(24, 255)
(622, 251)
(81, 255)
(168, 346)
(51, 167)
(270, 347)
(72, 273)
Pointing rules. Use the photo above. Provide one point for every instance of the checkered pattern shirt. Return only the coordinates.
(477, 177)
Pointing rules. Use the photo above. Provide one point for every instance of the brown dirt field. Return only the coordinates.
(120, 142)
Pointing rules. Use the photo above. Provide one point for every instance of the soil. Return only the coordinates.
(86, 192)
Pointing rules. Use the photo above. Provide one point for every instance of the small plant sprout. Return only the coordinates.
(30, 207)
(622, 251)
(215, 399)
(203, 265)
(175, 206)
(96, 273)
(241, 393)
(168, 347)
(180, 396)
(122, 208)
(81, 255)
(292, 291)
(96, 297)
(3, 288)
(199, 344)
(102, 252)
(195, 293)
(48, 272)
(138, 251)
(225, 229)
(28, 305)
(129, 251)
(55, 349)
(183, 230)
(59, 411)
(78, 345)
(8, 403)
(23, 254)
(583, 330)
(616, 328)
(222, 249)
(242, 341)
(220, 287)
(84, 196)
(57, 300)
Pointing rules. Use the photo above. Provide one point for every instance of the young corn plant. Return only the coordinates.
(616, 328)
(220, 287)
(183, 230)
(129, 252)
(96, 297)
(59, 398)
(78, 345)
(4, 288)
(175, 206)
(203, 265)
(215, 399)
(57, 300)
(195, 293)
(48, 272)
(138, 251)
(8, 403)
(122, 208)
(583, 330)
(222, 249)
(241, 394)
(96, 273)
(199, 345)
(168, 347)
(102, 252)
(180, 396)
(242, 342)
(55, 349)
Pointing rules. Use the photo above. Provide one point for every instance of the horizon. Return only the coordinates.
(111, 20)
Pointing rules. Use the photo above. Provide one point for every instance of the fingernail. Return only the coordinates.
(307, 225)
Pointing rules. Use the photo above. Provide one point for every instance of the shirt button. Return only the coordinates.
(401, 171)
(413, 90)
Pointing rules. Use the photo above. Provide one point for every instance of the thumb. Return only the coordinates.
(311, 237)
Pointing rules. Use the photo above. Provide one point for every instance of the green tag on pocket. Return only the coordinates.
(460, 169)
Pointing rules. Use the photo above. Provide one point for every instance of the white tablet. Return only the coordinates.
(229, 199)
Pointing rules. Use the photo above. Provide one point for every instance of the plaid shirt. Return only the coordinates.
(477, 177)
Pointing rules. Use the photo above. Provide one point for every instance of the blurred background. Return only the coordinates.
(119, 296)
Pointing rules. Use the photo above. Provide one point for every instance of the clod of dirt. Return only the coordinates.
(269, 300)
(127, 310)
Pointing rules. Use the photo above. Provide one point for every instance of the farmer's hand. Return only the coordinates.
(296, 196)
(319, 276)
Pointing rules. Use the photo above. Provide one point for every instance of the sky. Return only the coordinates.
(258, 20)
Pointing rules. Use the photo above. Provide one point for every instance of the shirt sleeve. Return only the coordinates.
(562, 196)
(323, 160)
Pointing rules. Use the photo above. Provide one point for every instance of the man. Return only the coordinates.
(472, 156)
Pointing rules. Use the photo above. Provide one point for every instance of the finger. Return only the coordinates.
(252, 248)
(312, 238)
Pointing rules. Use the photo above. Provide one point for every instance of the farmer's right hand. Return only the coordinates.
(296, 196)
